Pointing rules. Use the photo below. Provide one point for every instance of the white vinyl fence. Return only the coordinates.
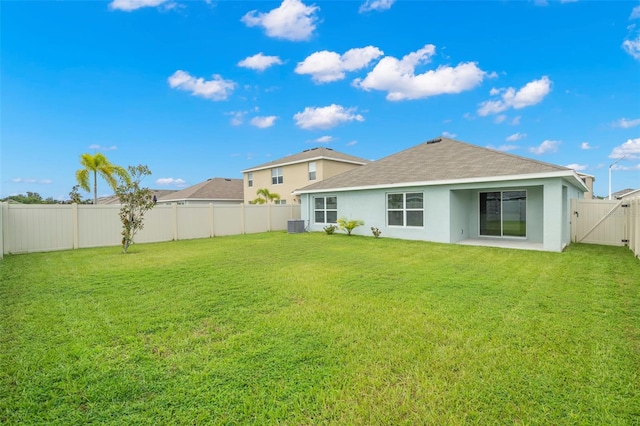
(608, 222)
(26, 228)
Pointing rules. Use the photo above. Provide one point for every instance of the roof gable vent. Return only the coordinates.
(434, 141)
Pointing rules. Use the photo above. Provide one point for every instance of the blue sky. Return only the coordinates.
(201, 89)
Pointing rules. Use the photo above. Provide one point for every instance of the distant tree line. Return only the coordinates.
(31, 198)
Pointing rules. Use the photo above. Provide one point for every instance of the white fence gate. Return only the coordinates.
(608, 222)
(26, 228)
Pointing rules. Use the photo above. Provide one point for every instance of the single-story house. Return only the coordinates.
(625, 193)
(211, 191)
(113, 199)
(449, 191)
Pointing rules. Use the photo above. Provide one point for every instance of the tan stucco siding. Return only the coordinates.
(332, 168)
(295, 176)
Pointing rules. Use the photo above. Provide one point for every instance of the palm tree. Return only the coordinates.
(98, 163)
(264, 196)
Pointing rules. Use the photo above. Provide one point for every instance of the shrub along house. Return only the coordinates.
(449, 191)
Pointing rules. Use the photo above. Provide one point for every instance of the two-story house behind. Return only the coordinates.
(296, 171)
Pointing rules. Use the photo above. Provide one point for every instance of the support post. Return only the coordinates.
(75, 225)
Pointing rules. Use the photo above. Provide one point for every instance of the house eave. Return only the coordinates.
(211, 200)
(567, 174)
(305, 160)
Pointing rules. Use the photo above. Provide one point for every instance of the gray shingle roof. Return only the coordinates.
(210, 189)
(113, 199)
(308, 154)
(441, 159)
(623, 193)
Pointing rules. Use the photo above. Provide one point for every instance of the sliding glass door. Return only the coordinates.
(503, 214)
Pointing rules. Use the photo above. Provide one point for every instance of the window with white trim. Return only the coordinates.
(312, 170)
(405, 209)
(277, 176)
(250, 179)
(325, 209)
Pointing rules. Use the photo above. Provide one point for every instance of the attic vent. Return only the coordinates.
(305, 150)
(434, 140)
(228, 180)
(329, 149)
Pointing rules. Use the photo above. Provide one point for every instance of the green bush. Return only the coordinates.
(330, 229)
(349, 225)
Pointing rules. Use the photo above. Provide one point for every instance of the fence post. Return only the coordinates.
(212, 229)
(75, 226)
(574, 220)
(174, 212)
(242, 219)
(634, 217)
(3, 214)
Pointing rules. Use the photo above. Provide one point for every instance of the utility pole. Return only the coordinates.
(610, 167)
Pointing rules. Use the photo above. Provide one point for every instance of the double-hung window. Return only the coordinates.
(250, 179)
(503, 213)
(405, 209)
(325, 209)
(276, 176)
(312, 170)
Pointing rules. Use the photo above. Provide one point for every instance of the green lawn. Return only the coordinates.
(315, 329)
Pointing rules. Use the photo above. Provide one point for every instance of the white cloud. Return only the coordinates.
(585, 146)
(499, 118)
(627, 168)
(237, 117)
(264, 122)
(260, 62)
(626, 124)
(635, 13)
(632, 47)
(449, 135)
(516, 120)
(370, 5)
(103, 148)
(577, 167)
(292, 20)
(32, 181)
(325, 117)
(170, 182)
(129, 5)
(503, 147)
(398, 78)
(530, 94)
(352, 143)
(516, 137)
(324, 139)
(217, 89)
(326, 66)
(630, 150)
(544, 147)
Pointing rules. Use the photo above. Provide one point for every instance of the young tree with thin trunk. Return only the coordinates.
(98, 164)
(135, 201)
(264, 196)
